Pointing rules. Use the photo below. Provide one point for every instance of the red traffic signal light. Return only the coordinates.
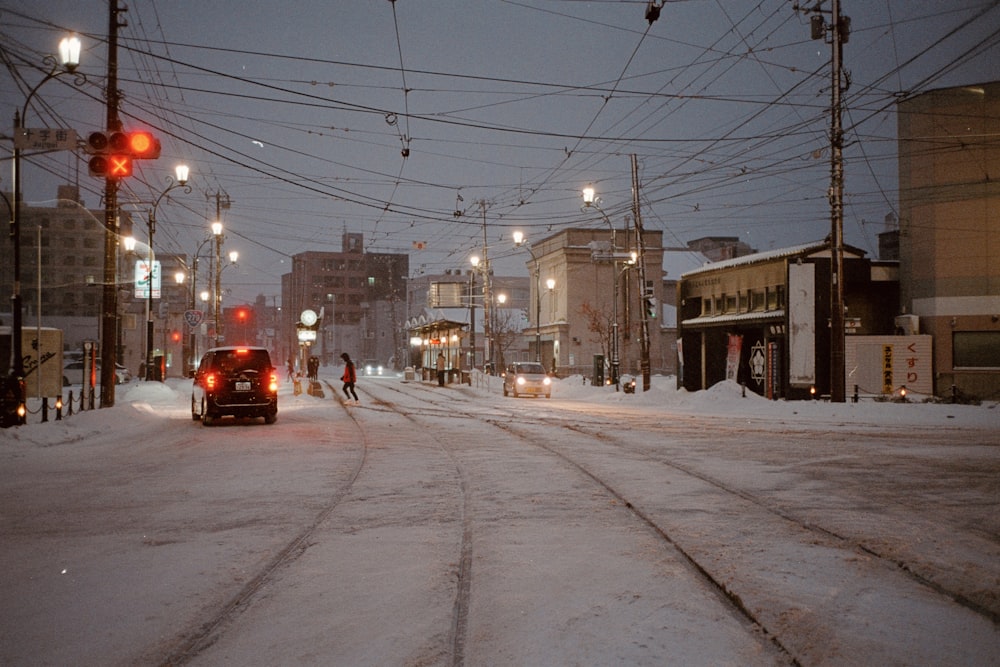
(241, 314)
(175, 336)
(140, 144)
(114, 152)
(143, 145)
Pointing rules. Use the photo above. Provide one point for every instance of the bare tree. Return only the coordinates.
(600, 323)
(505, 332)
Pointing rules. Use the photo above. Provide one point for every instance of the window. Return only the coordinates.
(976, 349)
(744, 302)
(706, 306)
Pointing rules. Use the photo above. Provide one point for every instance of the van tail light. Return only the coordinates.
(210, 381)
(273, 384)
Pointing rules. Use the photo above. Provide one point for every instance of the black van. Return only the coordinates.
(237, 381)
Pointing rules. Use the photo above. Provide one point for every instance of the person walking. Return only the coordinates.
(440, 368)
(349, 378)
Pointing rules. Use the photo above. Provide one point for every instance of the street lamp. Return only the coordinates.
(592, 201)
(497, 348)
(520, 241)
(233, 256)
(181, 172)
(474, 260)
(217, 299)
(69, 59)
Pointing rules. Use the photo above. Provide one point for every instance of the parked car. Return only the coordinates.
(73, 373)
(527, 378)
(627, 381)
(235, 381)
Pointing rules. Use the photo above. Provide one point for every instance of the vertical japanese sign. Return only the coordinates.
(887, 369)
(734, 347)
(144, 278)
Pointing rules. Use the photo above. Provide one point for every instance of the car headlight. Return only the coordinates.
(547, 381)
(520, 380)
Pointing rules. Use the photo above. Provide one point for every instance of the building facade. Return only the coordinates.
(572, 323)
(763, 319)
(360, 297)
(949, 243)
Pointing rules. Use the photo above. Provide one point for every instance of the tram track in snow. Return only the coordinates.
(519, 422)
(435, 407)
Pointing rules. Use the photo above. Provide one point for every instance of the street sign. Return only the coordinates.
(44, 139)
(194, 317)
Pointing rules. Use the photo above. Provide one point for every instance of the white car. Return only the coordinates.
(73, 373)
(527, 378)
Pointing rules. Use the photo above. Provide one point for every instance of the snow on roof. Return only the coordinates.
(769, 256)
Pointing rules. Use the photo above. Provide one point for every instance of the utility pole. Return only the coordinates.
(640, 246)
(837, 333)
(222, 201)
(839, 30)
(487, 295)
(109, 301)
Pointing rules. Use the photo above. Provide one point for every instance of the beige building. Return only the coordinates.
(572, 322)
(949, 180)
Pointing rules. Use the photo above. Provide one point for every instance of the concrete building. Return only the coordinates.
(572, 322)
(361, 297)
(62, 271)
(949, 244)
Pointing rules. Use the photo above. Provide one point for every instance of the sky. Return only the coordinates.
(436, 127)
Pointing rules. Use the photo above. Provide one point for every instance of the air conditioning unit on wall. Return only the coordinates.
(907, 325)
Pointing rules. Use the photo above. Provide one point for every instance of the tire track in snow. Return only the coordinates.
(208, 632)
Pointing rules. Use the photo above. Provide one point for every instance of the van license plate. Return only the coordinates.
(242, 386)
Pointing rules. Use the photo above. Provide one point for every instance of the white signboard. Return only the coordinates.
(143, 278)
(883, 364)
(802, 325)
(44, 139)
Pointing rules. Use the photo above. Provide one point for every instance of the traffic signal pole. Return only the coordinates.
(109, 301)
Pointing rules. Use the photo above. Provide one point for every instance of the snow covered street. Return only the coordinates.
(448, 526)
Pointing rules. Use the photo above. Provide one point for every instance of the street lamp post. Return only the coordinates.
(520, 241)
(181, 173)
(497, 348)
(591, 201)
(69, 59)
(474, 260)
(233, 256)
(551, 285)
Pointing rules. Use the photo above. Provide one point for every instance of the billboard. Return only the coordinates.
(144, 278)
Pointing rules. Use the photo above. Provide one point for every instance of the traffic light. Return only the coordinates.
(114, 151)
(115, 165)
(143, 146)
(175, 336)
(241, 315)
(649, 302)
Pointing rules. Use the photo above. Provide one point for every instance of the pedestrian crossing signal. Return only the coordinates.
(114, 166)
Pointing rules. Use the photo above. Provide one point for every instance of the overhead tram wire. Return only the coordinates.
(403, 138)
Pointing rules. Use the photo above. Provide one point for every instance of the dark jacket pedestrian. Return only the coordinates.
(350, 377)
(440, 368)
